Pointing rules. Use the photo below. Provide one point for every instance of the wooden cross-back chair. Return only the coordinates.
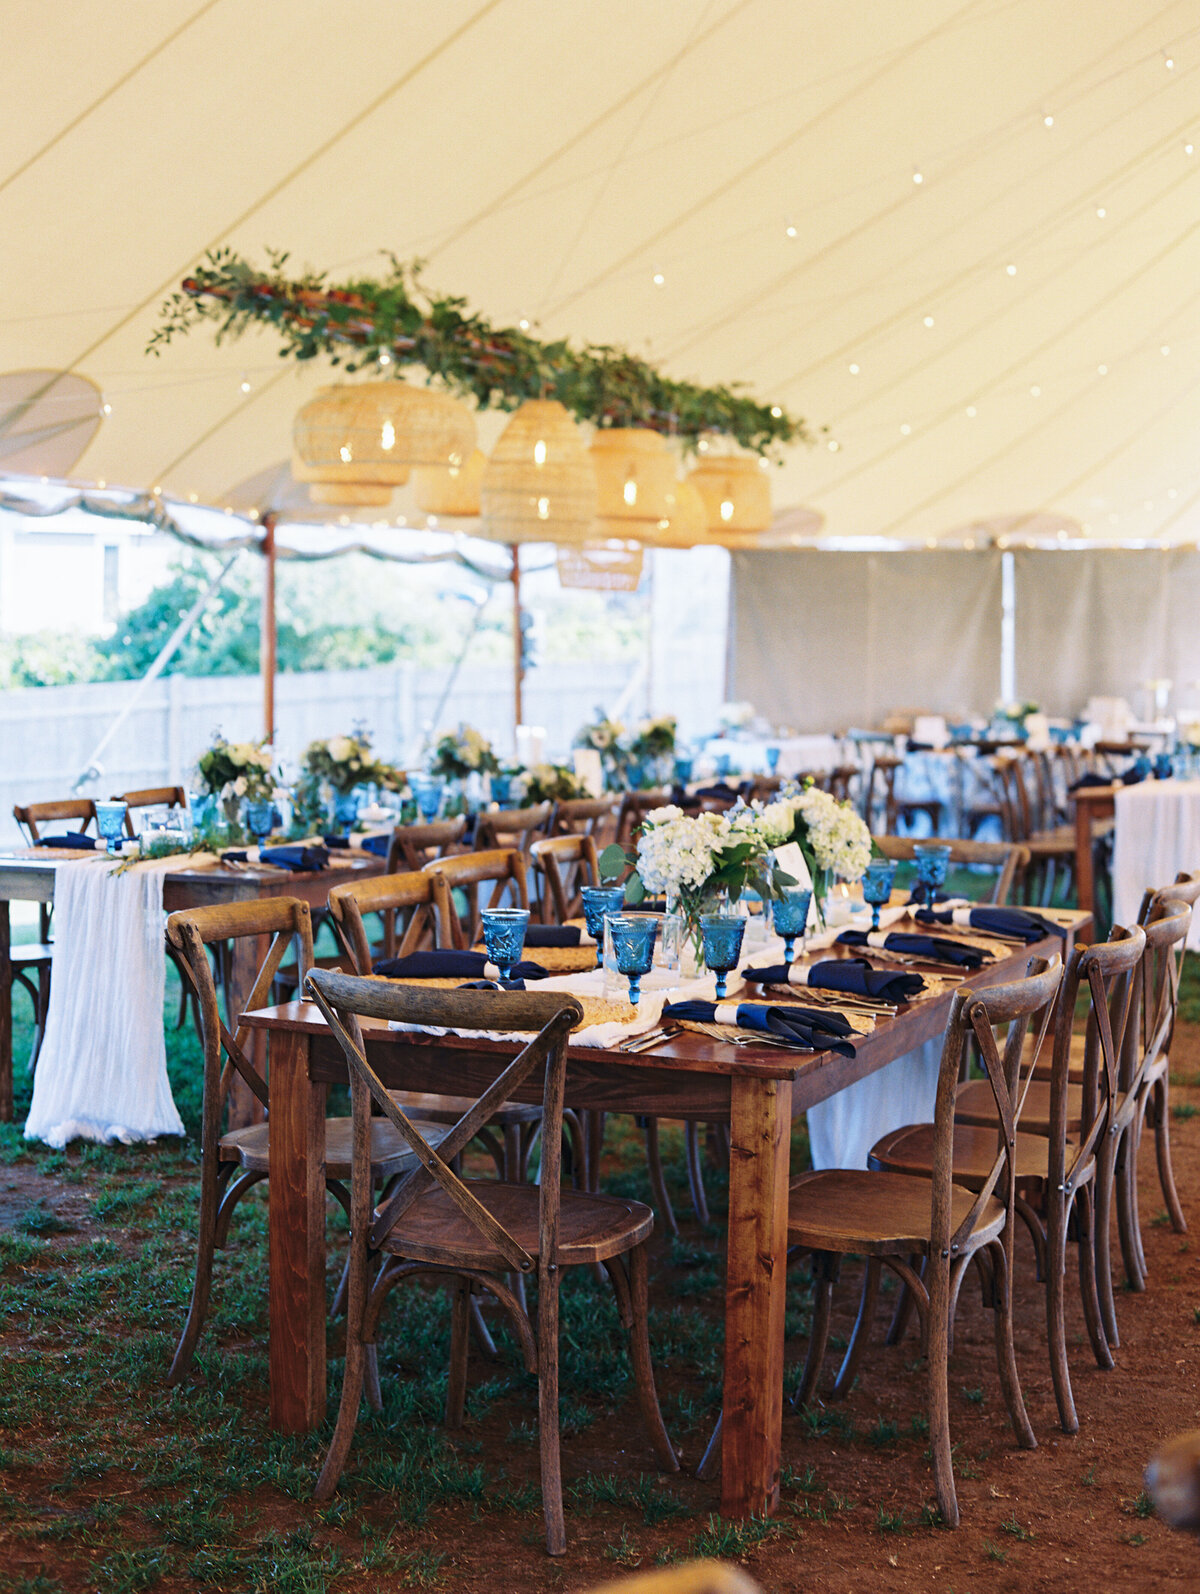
(413, 846)
(563, 864)
(1007, 860)
(879, 801)
(1061, 1151)
(588, 816)
(233, 1162)
(503, 869)
(32, 961)
(1052, 847)
(635, 805)
(149, 797)
(513, 827)
(837, 1212)
(472, 1233)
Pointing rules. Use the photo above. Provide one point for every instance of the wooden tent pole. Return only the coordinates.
(268, 644)
(518, 667)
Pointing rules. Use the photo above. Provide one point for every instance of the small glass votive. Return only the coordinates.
(789, 914)
(504, 936)
(598, 902)
(721, 936)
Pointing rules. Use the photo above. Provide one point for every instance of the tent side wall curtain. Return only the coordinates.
(826, 640)
(1097, 623)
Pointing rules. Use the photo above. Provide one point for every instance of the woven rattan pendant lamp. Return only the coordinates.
(635, 473)
(539, 484)
(371, 434)
(453, 490)
(736, 494)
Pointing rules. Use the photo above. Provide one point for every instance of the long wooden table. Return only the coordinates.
(27, 877)
(756, 1090)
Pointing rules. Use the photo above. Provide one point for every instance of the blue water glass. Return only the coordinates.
(597, 902)
(684, 764)
(345, 809)
(1164, 766)
(504, 936)
(789, 913)
(501, 790)
(933, 859)
(110, 822)
(877, 886)
(772, 759)
(721, 935)
(1142, 767)
(724, 765)
(260, 817)
(633, 937)
(428, 790)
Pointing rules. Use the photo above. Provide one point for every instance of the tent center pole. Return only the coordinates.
(267, 633)
(518, 649)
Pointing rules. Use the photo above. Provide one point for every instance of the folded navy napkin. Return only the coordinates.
(935, 948)
(852, 975)
(296, 858)
(1090, 779)
(72, 839)
(493, 985)
(552, 935)
(802, 1027)
(377, 844)
(448, 965)
(1017, 923)
(719, 791)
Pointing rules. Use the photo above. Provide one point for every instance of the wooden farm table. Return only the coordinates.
(757, 1090)
(27, 877)
(1092, 803)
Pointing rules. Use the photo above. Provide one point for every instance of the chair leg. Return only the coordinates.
(212, 1184)
(371, 1379)
(824, 1275)
(1162, 1149)
(347, 1419)
(662, 1201)
(482, 1333)
(937, 1353)
(1127, 1213)
(39, 1026)
(633, 1304)
(550, 1449)
(862, 1330)
(710, 1460)
(1105, 1181)
(594, 1121)
(1056, 1325)
(1006, 1359)
(904, 1306)
(695, 1171)
(1085, 1223)
(460, 1338)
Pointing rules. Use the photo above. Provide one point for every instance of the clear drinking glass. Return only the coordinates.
(504, 936)
(877, 885)
(110, 822)
(933, 859)
(597, 902)
(789, 913)
(722, 939)
(633, 936)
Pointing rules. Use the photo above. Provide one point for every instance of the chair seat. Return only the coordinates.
(32, 955)
(1051, 843)
(843, 1210)
(590, 1227)
(389, 1154)
(430, 1107)
(910, 1151)
(975, 1104)
(1046, 1061)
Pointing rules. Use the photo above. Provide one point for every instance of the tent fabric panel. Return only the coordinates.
(830, 640)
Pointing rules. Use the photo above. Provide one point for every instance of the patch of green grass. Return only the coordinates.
(730, 1541)
(38, 1219)
(1184, 1109)
(623, 1550)
(1140, 1506)
(890, 1521)
(645, 1494)
(973, 1397)
(122, 1201)
(993, 1552)
(1011, 1526)
(882, 1433)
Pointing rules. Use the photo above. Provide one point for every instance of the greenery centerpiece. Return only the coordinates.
(604, 736)
(541, 783)
(233, 772)
(462, 753)
(339, 765)
(1016, 715)
(831, 835)
(652, 751)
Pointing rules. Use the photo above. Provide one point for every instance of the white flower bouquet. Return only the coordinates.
(830, 834)
(346, 762)
(604, 736)
(238, 769)
(463, 752)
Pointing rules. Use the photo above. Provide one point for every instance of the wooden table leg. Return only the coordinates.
(1085, 885)
(296, 1222)
(248, 953)
(755, 1287)
(6, 1033)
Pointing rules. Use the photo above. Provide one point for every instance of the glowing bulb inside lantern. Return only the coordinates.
(1047, 121)
(726, 509)
(629, 492)
(543, 509)
(776, 412)
(387, 435)
(346, 454)
(539, 452)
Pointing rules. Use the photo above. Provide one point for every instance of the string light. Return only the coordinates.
(855, 369)
(905, 429)
(1102, 370)
(384, 357)
(1035, 391)
(776, 411)
(106, 409)
(1011, 270)
(972, 411)
(918, 178)
(1047, 121)
(790, 230)
(1168, 61)
(1166, 349)
(523, 324)
(245, 385)
(102, 482)
(193, 498)
(1189, 149)
(928, 320)
(833, 445)
(659, 279)
(1101, 212)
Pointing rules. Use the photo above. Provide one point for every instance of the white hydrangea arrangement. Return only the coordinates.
(346, 762)
(831, 834)
(238, 769)
(463, 752)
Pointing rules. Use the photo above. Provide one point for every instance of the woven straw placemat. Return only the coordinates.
(557, 959)
(596, 1010)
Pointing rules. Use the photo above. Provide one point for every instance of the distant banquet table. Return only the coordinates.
(1157, 836)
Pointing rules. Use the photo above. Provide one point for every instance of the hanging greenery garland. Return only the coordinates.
(381, 325)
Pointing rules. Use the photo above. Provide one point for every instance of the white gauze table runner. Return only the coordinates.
(1158, 834)
(102, 1072)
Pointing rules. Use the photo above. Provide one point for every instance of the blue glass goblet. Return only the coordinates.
(597, 902)
(1164, 766)
(428, 789)
(501, 789)
(633, 937)
(933, 859)
(260, 816)
(684, 764)
(877, 886)
(110, 822)
(721, 935)
(504, 936)
(789, 913)
(772, 759)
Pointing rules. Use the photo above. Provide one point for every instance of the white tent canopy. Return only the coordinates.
(553, 160)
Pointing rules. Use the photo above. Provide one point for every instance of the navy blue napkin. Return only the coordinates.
(803, 1027)
(1017, 923)
(296, 858)
(448, 965)
(493, 985)
(72, 838)
(552, 935)
(935, 948)
(851, 975)
(377, 844)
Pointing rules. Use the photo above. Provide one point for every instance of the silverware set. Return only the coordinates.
(651, 1038)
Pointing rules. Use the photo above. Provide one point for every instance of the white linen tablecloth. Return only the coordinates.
(102, 1072)
(1157, 835)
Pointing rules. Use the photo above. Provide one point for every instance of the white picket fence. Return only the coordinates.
(47, 734)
